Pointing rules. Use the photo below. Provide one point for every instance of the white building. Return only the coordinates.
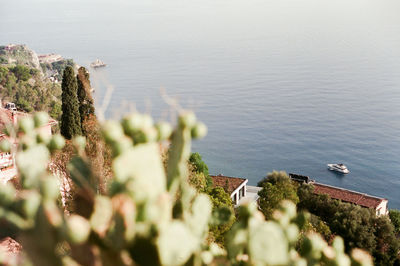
(237, 188)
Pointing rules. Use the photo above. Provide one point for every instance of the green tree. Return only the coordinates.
(276, 187)
(359, 227)
(221, 201)
(220, 198)
(55, 110)
(70, 119)
(274, 178)
(387, 245)
(355, 224)
(200, 167)
(320, 227)
(3, 74)
(39, 95)
(395, 218)
(86, 103)
(21, 72)
(197, 180)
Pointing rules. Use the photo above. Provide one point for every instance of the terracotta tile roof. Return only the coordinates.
(227, 182)
(350, 196)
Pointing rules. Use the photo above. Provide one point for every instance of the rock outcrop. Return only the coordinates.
(19, 54)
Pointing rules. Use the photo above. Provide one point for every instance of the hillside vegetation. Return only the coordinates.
(359, 227)
(17, 54)
(27, 88)
(31, 84)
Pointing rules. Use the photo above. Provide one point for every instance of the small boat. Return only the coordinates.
(98, 63)
(339, 167)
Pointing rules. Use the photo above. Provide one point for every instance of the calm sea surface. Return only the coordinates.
(285, 85)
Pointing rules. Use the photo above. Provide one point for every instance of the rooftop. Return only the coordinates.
(350, 196)
(227, 182)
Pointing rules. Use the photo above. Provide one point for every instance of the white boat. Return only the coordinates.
(338, 167)
(97, 63)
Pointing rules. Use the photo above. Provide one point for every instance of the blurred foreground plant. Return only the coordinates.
(149, 216)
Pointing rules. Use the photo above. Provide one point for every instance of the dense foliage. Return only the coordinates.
(29, 90)
(276, 187)
(147, 216)
(23, 73)
(86, 103)
(70, 119)
(200, 167)
(395, 218)
(221, 201)
(317, 225)
(222, 204)
(359, 227)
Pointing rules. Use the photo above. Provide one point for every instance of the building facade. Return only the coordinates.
(234, 186)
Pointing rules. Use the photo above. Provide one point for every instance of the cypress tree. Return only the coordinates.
(70, 119)
(86, 103)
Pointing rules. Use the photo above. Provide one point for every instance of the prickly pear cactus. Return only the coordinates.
(149, 216)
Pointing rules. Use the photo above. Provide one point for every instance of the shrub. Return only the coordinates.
(276, 187)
